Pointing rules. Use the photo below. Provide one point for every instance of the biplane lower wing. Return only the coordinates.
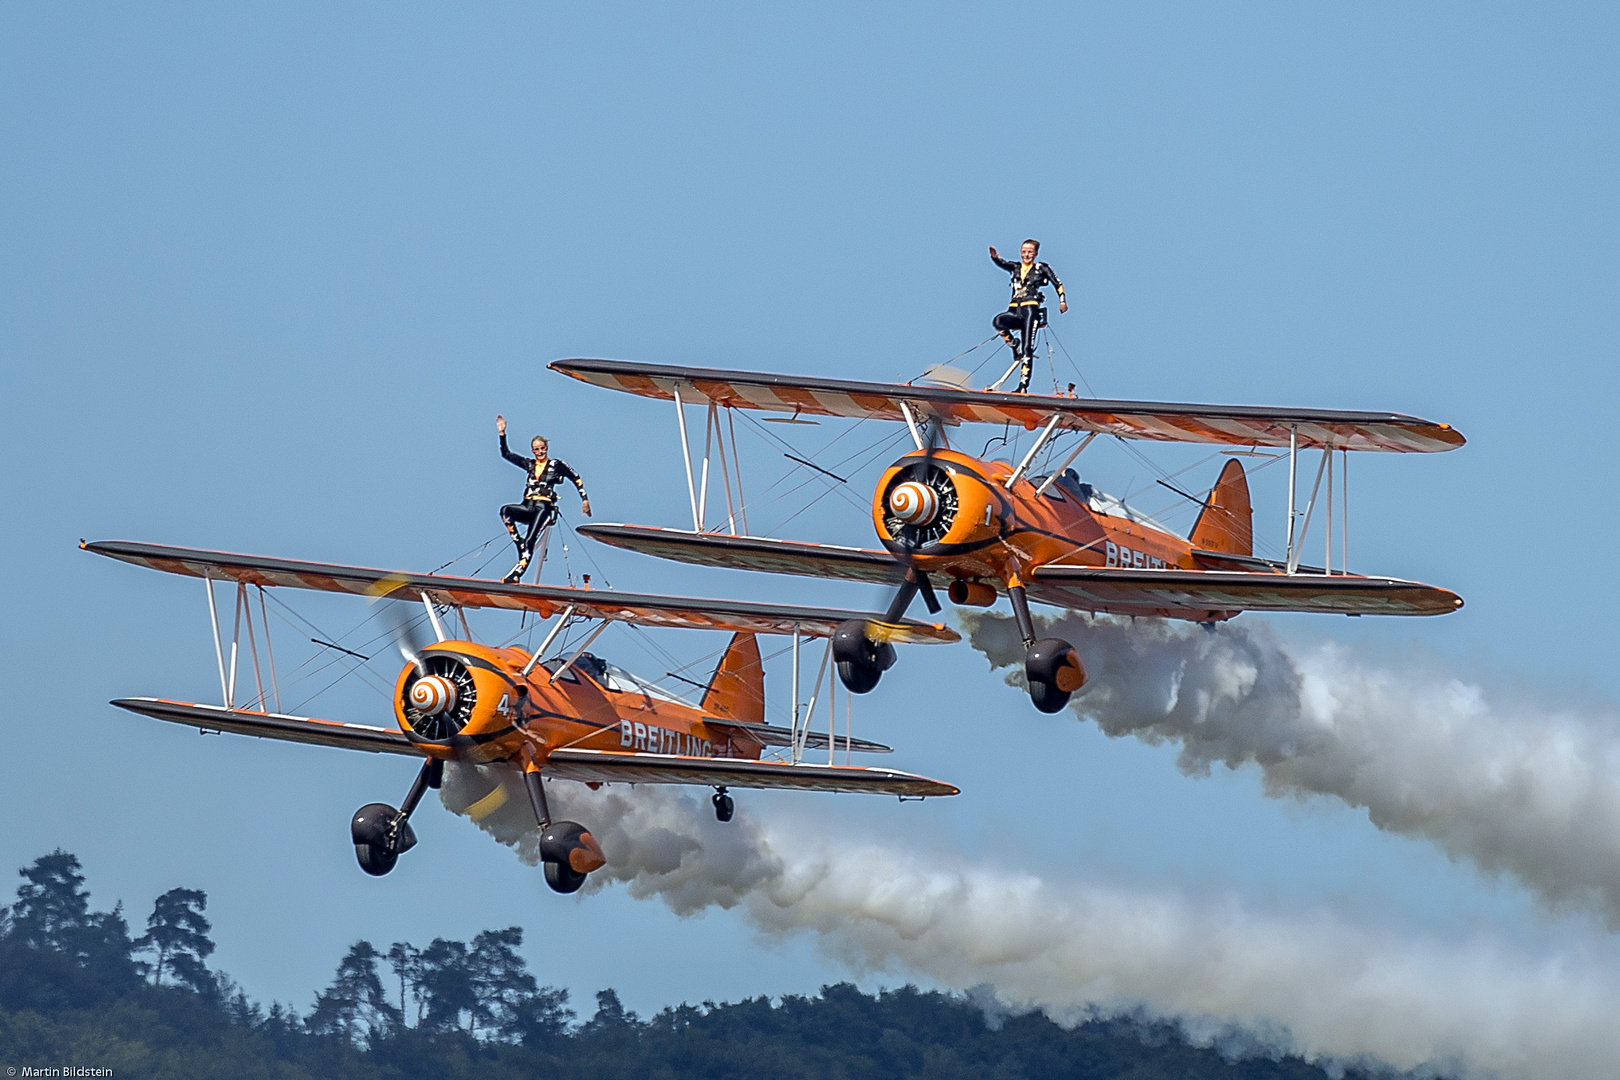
(617, 767)
(1187, 594)
(265, 725)
(1132, 591)
(752, 553)
(636, 608)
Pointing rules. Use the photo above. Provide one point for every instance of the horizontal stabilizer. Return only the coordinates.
(617, 767)
(771, 735)
(265, 725)
(1160, 421)
(635, 608)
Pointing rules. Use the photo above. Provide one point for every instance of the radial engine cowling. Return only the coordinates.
(436, 699)
(917, 504)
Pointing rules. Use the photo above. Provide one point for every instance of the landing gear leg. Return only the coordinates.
(723, 806)
(1052, 668)
(382, 834)
(568, 851)
(1020, 606)
(537, 797)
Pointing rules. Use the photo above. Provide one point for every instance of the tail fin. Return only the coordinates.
(1225, 524)
(737, 691)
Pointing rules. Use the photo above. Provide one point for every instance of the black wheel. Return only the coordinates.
(374, 860)
(1053, 672)
(724, 807)
(1047, 698)
(861, 661)
(564, 878)
(860, 678)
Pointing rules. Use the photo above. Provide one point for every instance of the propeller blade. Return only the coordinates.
(926, 588)
(407, 635)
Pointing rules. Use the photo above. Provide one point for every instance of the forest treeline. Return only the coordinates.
(80, 987)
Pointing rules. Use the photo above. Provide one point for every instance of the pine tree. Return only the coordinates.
(502, 984)
(53, 906)
(355, 998)
(447, 985)
(610, 1012)
(406, 960)
(53, 913)
(177, 933)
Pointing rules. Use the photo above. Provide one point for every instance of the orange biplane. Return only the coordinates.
(978, 529)
(572, 718)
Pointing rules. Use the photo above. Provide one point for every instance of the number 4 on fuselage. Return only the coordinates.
(978, 529)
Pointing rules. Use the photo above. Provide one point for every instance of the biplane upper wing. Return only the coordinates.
(1141, 591)
(265, 725)
(639, 609)
(618, 767)
(1229, 425)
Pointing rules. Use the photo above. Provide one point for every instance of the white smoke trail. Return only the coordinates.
(1306, 984)
(1513, 787)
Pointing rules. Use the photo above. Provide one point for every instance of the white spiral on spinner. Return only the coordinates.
(432, 695)
(914, 503)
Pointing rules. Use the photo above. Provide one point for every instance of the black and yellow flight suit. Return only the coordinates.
(1026, 311)
(539, 506)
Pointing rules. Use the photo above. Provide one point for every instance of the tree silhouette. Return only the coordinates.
(355, 998)
(447, 986)
(177, 933)
(52, 914)
(406, 960)
(53, 906)
(610, 1012)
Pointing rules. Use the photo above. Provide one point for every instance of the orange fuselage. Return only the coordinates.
(500, 714)
(988, 533)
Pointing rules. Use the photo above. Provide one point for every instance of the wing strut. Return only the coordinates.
(546, 644)
(686, 455)
(594, 634)
(1029, 457)
(1057, 472)
(1296, 543)
(219, 646)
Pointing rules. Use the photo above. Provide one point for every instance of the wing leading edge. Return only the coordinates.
(1160, 421)
(265, 725)
(636, 608)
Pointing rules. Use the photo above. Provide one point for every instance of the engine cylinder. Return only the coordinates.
(433, 694)
(914, 503)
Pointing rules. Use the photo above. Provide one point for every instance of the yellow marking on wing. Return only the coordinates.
(384, 586)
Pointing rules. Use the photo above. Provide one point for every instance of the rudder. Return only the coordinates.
(1226, 523)
(737, 690)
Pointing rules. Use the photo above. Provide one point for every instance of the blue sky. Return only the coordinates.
(269, 275)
